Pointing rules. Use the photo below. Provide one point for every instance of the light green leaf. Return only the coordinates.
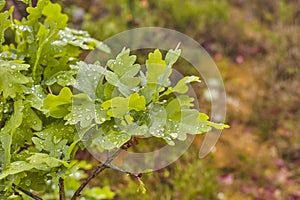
(218, 125)
(118, 106)
(189, 122)
(58, 106)
(54, 17)
(78, 38)
(181, 87)
(137, 102)
(124, 63)
(173, 55)
(155, 66)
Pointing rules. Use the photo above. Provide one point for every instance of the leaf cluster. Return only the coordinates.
(52, 103)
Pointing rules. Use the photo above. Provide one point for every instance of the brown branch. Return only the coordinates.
(28, 193)
(97, 171)
(61, 184)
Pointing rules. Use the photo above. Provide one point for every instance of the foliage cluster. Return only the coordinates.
(47, 94)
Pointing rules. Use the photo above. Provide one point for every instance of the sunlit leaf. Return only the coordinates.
(58, 106)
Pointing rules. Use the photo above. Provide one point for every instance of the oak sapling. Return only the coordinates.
(40, 114)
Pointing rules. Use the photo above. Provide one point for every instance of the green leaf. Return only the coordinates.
(103, 47)
(54, 17)
(31, 119)
(54, 139)
(137, 102)
(9, 129)
(83, 111)
(124, 63)
(136, 130)
(5, 22)
(158, 117)
(78, 38)
(2, 5)
(181, 87)
(58, 106)
(15, 168)
(89, 77)
(155, 66)
(112, 140)
(173, 55)
(189, 122)
(36, 96)
(41, 158)
(12, 80)
(125, 68)
(118, 106)
(218, 125)
(63, 78)
(52, 145)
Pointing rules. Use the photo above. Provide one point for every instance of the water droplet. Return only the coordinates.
(174, 135)
(88, 118)
(13, 67)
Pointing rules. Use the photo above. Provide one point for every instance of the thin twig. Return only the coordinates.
(49, 89)
(97, 171)
(28, 193)
(62, 195)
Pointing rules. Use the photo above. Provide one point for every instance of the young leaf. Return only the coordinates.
(181, 87)
(155, 66)
(173, 55)
(137, 102)
(54, 17)
(58, 106)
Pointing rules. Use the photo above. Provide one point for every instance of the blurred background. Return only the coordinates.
(256, 45)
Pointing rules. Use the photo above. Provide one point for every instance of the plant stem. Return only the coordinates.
(28, 193)
(62, 195)
(97, 171)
